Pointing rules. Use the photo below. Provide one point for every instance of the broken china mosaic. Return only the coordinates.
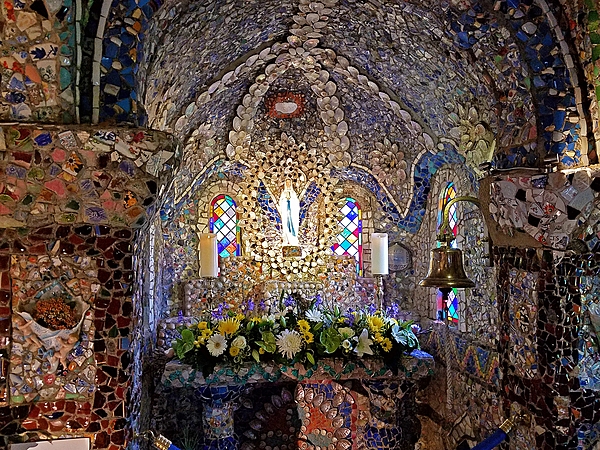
(329, 406)
(39, 61)
(70, 198)
(560, 210)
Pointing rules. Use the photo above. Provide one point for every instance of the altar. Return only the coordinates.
(333, 405)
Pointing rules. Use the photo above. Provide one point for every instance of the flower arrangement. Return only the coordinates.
(55, 314)
(294, 335)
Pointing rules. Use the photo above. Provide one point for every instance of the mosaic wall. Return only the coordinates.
(71, 200)
(560, 210)
(39, 61)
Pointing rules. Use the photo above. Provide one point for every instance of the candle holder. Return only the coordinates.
(379, 294)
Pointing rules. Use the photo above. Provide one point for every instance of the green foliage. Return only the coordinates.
(294, 336)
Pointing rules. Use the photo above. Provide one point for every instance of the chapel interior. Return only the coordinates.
(316, 145)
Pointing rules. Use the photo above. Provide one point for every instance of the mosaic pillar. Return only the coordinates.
(218, 406)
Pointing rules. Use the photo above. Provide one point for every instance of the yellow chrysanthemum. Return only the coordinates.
(228, 326)
(386, 345)
(308, 337)
(378, 338)
(304, 326)
(240, 316)
(375, 323)
(234, 351)
(202, 325)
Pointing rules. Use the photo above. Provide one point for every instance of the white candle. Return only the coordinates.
(209, 259)
(379, 253)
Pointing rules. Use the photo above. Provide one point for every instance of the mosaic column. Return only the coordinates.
(218, 406)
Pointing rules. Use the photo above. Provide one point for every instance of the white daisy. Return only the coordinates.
(314, 315)
(289, 342)
(216, 344)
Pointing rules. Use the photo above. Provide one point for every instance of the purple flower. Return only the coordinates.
(262, 306)
(349, 317)
(219, 313)
(289, 301)
(318, 300)
(250, 305)
(392, 311)
(372, 308)
(180, 317)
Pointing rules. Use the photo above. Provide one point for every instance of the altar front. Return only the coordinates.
(333, 405)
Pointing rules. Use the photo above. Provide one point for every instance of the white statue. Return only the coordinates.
(289, 210)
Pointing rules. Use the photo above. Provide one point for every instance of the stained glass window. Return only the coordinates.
(446, 195)
(223, 222)
(349, 238)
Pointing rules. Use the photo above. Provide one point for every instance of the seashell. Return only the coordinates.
(345, 143)
(343, 445)
(362, 79)
(247, 403)
(312, 18)
(228, 77)
(309, 395)
(416, 127)
(248, 446)
(337, 421)
(325, 406)
(383, 96)
(318, 399)
(261, 415)
(338, 115)
(334, 102)
(264, 53)
(181, 122)
(213, 87)
(342, 128)
(338, 399)
(330, 87)
(286, 396)
(251, 60)
(310, 44)
(250, 434)
(269, 408)
(190, 109)
(237, 123)
(373, 87)
(300, 393)
(342, 433)
(333, 412)
(300, 20)
(429, 144)
(405, 116)
(256, 425)
(320, 24)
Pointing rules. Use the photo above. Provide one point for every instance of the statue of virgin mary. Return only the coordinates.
(289, 210)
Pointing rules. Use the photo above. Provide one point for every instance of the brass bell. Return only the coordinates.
(446, 269)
